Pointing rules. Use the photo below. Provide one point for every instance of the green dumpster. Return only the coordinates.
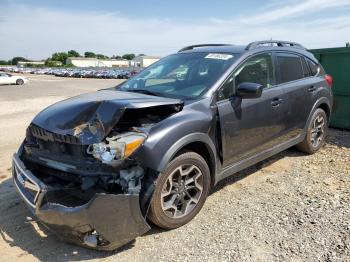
(336, 62)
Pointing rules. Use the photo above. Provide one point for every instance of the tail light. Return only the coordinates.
(329, 80)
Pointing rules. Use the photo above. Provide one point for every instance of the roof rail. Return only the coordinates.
(202, 45)
(273, 43)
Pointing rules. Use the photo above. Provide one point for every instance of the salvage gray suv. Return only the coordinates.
(96, 167)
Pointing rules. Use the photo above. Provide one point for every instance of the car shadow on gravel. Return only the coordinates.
(339, 137)
(250, 170)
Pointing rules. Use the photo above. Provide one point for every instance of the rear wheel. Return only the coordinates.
(180, 191)
(19, 82)
(316, 133)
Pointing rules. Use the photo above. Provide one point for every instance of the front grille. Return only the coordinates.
(45, 135)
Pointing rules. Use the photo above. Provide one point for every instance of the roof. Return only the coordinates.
(94, 59)
(83, 58)
(234, 49)
(113, 60)
(240, 49)
(265, 45)
(149, 57)
(31, 62)
(152, 57)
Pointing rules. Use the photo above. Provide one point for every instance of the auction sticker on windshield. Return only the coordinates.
(219, 56)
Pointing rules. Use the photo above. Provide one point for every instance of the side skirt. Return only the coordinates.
(236, 167)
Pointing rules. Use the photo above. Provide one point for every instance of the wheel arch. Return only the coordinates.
(322, 103)
(326, 108)
(197, 142)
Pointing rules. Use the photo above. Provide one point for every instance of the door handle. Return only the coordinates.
(312, 89)
(276, 102)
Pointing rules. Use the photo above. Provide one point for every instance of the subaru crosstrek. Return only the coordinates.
(96, 167)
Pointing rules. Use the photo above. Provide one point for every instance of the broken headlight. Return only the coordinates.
(117, 147)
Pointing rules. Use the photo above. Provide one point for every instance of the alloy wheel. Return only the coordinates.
(182, 191)
(317, 131)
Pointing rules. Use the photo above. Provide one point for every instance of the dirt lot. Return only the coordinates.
(292, 207)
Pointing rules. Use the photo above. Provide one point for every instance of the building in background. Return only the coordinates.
(94, 62)
(30, 63)
(144, 61)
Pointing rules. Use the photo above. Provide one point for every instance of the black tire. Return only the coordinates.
(314, 140)
(201, 174)
(19, 82)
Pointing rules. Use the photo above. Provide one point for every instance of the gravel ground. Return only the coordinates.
(292, 207)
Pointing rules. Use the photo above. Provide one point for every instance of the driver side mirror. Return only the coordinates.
(249, 90)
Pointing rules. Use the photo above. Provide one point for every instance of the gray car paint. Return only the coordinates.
(200, 117)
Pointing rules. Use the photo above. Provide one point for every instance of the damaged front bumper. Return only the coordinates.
(106, 222)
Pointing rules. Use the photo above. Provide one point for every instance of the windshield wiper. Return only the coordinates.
(143, 91)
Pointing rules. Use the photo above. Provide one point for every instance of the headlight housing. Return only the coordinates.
(117, 148)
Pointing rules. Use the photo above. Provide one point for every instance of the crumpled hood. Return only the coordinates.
(90, 117)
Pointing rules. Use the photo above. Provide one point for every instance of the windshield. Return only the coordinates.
(183, 75)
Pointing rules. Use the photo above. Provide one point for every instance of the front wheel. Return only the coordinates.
(180, 191)
(316, 133)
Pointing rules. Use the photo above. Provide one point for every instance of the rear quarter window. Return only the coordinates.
(290, 67)
(314, 68)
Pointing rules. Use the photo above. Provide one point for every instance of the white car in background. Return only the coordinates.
(8, 79)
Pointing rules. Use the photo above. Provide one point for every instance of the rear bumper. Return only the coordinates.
(106, 222)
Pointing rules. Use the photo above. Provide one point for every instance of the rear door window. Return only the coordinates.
(290, 67)
(306, 69)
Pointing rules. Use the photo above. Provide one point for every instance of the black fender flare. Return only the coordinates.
(181, 143)
(320, 101)
(150, 180)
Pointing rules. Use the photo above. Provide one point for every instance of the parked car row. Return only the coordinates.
(76, 72)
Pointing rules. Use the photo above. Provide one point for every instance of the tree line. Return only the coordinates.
(61, 57)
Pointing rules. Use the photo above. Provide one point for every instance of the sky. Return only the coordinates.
(37, 28)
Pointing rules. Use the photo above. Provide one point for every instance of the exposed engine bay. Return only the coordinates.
(105, 166)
